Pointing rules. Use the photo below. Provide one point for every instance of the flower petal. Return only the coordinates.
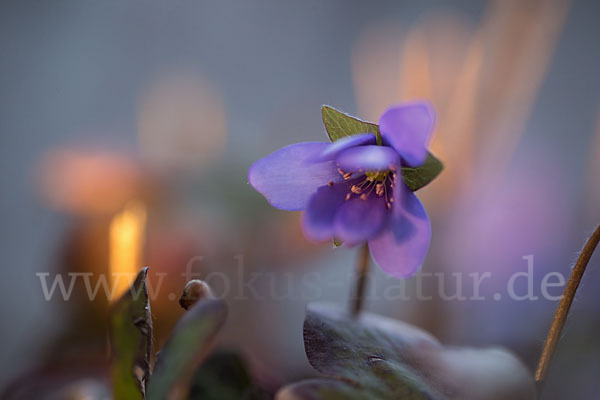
(367, 158)
(359, 220)
(333, 149)
(407, 128)
(317, 221)
(287, 178)
(401, 248)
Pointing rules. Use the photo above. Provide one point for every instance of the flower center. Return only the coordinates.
(378, 183)
(378, 176)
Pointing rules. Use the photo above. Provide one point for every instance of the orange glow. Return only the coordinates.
(479, 80)
(126, 239)
(415, 81)
(88, 181)
(520, 38)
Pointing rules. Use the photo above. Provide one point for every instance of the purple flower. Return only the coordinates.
(352, 191)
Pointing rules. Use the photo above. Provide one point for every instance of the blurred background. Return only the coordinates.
(127, 129)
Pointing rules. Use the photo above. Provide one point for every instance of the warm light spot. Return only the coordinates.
(89, 181)
(126, 240)
(182, 122)
(415, 79)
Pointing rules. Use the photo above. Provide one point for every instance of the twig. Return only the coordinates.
(563, 307)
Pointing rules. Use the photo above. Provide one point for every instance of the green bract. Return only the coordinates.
(339, 125)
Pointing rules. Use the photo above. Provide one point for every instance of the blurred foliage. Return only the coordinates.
(186, 346)
(224, 375)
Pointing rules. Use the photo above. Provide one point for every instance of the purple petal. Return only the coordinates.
(401, 248)
(407, 128)
(317, 221)
(338, 146)
(287, 178)
(358, 220)
(367, 158)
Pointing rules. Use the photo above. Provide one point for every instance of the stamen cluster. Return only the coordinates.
(381, 183)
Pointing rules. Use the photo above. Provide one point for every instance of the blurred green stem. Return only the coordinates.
(562, 311)
(362, 273)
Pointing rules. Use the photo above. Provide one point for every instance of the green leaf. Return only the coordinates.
(339, 125)
(131, 341)
(224, 375)
(185, 348)
(324, 389)
(416, 178)
(373, 357)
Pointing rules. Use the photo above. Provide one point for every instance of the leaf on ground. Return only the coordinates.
(373, 357)
(185, 348)
(324, 389)
(131, 341)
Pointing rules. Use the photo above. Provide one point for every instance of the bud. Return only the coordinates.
(194, 291)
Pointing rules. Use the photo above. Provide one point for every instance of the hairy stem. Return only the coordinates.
(563, 307)
(362, 272)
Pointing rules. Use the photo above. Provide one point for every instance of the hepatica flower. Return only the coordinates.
(360, 187)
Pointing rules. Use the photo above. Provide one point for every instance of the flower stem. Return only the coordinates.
(562, 311)
(362, 272)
